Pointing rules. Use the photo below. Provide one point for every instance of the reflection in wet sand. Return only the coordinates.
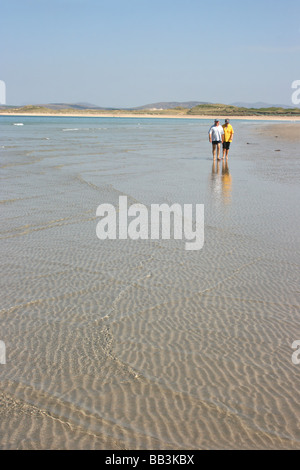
(221, 181)
(226, 182)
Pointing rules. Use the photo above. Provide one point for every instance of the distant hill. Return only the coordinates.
(171, 105)
(78, 106)
(160, 106)
(152, 106)
(156, 109)
(82, 106)
(230, 110)
(260, 104)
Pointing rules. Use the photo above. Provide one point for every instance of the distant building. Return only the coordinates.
(2, 92)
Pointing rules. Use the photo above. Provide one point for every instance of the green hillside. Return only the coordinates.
(206, 109)
(227, 110)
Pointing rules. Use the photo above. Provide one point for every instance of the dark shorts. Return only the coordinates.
(215, 142)
(226, 145)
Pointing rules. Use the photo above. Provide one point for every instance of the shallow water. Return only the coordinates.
(140, 344)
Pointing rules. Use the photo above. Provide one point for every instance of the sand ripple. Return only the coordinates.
(141, 344)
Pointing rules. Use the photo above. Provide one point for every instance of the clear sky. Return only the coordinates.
(123, 53)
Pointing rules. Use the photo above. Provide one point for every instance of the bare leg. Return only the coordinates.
(218, 152)
(214, 150)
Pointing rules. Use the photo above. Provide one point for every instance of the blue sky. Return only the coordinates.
(124, 53)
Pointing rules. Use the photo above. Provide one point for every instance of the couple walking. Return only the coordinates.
(220, 134)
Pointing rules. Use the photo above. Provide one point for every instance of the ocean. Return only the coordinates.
(141, 344)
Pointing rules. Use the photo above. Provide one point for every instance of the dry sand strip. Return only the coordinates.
(289, 119)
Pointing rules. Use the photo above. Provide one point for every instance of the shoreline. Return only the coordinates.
(160, 116)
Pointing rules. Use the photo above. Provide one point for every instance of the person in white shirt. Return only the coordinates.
(216, 137)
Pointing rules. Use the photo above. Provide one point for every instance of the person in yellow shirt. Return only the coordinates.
(228, 136)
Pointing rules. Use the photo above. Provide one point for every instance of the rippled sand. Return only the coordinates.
(142, 344)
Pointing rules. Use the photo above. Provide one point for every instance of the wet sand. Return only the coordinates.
(284, 131)
(139, 344)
